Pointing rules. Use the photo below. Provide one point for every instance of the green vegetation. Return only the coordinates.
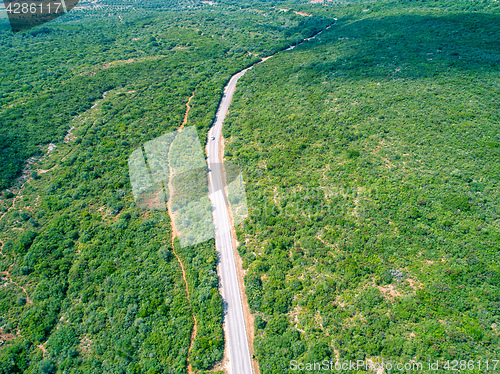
(372, 164)
(201, 275)
(371, 160)
(51, 74)
(90, 281)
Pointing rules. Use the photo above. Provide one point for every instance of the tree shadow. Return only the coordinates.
(409, 46)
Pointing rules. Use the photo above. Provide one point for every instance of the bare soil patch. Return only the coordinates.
(174, 234)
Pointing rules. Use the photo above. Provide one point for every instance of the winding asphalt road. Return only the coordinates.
(237, 342)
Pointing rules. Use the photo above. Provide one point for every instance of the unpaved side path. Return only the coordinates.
(174, 234)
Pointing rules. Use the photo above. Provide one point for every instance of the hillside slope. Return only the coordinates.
(371, 156)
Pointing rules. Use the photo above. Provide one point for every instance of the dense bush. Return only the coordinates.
(371, 165)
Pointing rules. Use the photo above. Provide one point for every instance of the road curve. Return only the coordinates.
(237, 342)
